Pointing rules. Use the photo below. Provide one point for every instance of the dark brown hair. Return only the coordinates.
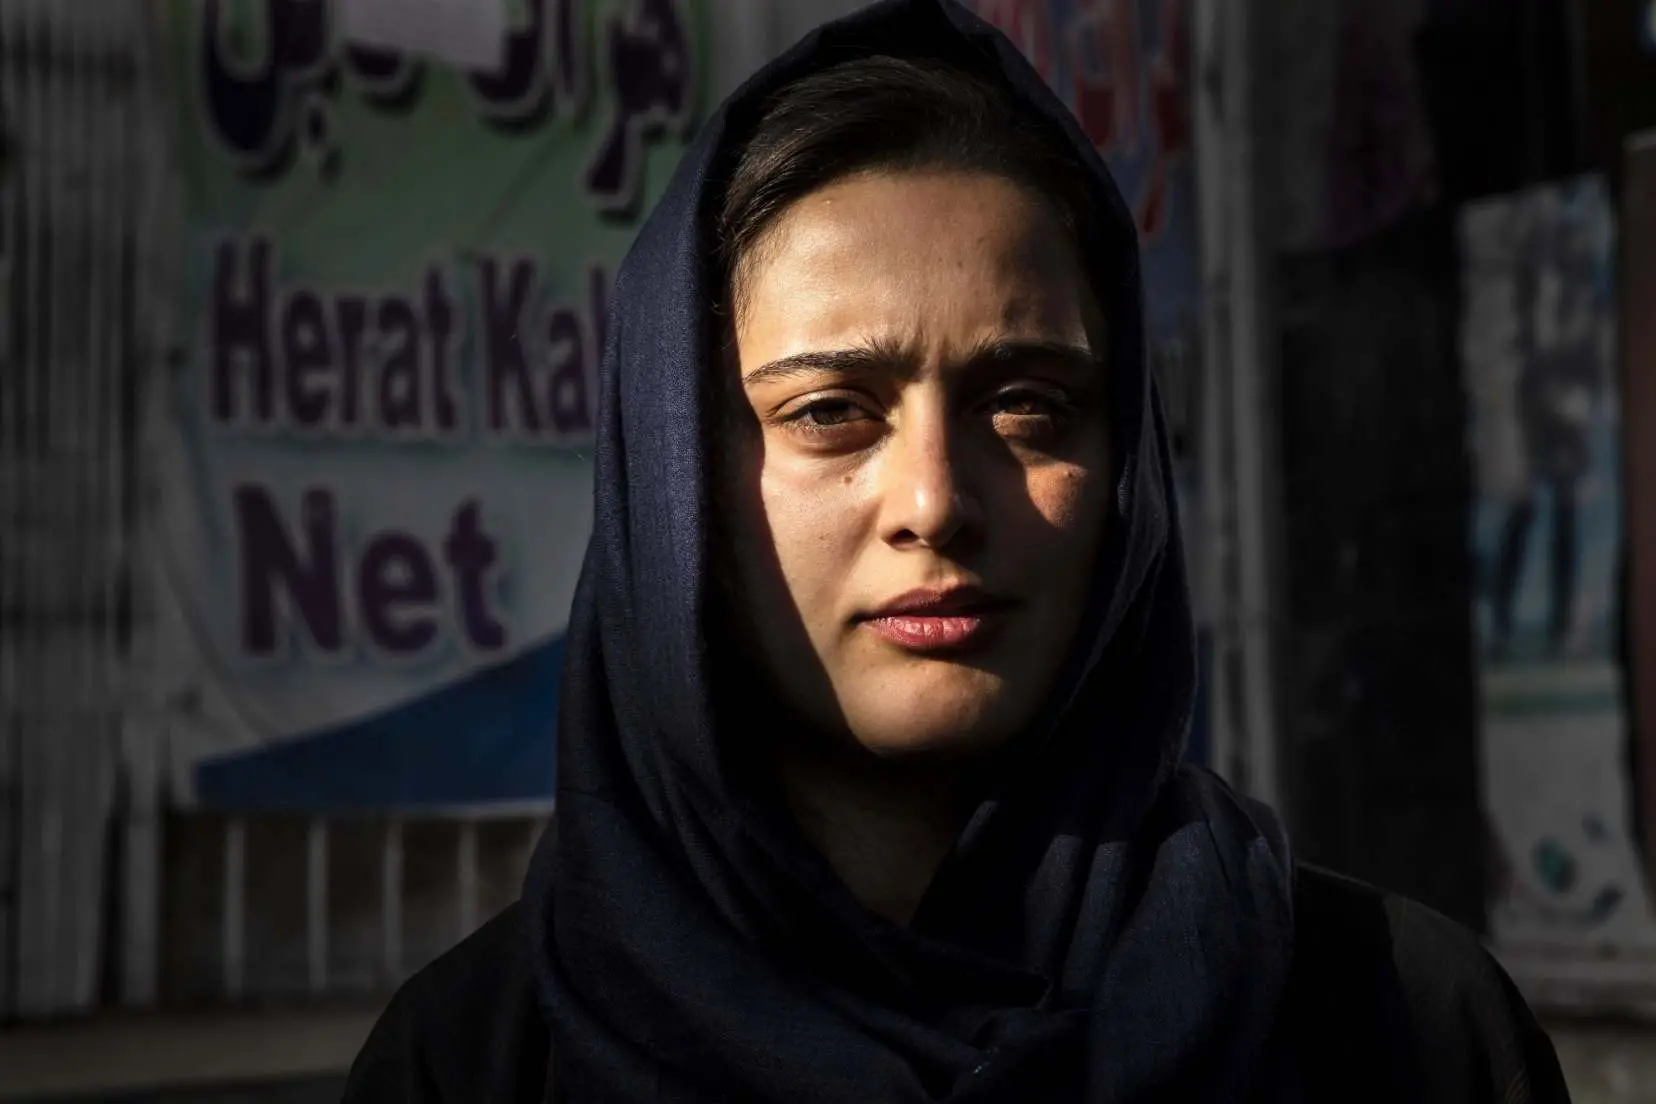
(885, 113)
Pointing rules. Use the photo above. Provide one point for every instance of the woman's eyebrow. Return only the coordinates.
(1013, 351)
(857, 361)
(874, 360)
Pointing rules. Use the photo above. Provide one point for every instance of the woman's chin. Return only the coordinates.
(937, 720)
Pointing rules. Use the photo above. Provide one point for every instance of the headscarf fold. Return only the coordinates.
(1110, 926)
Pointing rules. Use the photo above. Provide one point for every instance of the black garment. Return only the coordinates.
(1389, 1002)
(1110, 926)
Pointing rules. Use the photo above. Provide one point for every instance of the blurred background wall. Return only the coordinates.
(300, 305)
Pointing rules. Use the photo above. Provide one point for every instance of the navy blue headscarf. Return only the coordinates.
(1111, 925)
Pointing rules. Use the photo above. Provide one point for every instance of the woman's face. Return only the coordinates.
(920, 481)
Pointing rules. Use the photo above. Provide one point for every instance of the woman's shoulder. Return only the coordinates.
(1360, 927)
(467, 1027)
(1381, 982)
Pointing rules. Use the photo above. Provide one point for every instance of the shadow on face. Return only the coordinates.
(919, 477)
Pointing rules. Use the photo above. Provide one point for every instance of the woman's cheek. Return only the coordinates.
(813, 527)
(1073, 496)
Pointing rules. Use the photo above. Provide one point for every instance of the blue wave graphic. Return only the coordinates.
(486, 740)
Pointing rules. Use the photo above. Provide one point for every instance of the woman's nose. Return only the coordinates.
(928, 497)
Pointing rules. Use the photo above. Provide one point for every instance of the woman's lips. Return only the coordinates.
(935, 632)
(942, 619)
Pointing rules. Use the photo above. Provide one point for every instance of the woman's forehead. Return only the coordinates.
(904, 261)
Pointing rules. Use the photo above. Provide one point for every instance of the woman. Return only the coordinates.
(881, 666)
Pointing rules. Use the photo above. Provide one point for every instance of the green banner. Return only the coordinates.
(397, 273)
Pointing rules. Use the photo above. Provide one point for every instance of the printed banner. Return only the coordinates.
(1539, 356)
(378, 485)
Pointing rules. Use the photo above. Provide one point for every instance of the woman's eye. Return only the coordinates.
(1028, 403)
(1031, 417)
(826, 414)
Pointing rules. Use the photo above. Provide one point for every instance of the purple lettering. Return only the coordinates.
(336, 363)
(307, 358)
(440, 321)
(399, 381)
(250, 99)
(269, 560)
(515, 96)
(470, 553)
(503, 349)
(650, 63)
(352, 311)
(240, 332)
(389, 80)
(567, 386)
(397, 585)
